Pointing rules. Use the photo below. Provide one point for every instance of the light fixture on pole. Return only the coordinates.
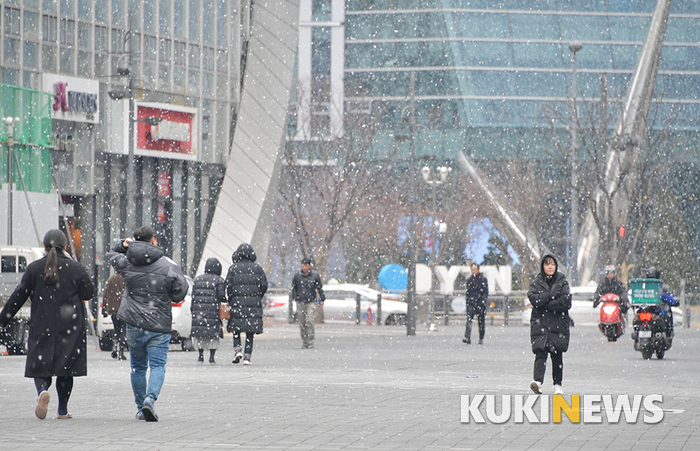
(574, 47)
(434, 180)
(10, 124)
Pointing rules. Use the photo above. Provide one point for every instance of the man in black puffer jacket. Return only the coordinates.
(153, 282)
(246, 284)
(208, 293)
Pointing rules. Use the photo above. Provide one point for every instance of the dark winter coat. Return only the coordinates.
(112, 295)
(208, 292)
(477, 292)
(153, 282)
(305, 286)
(551, 300)
(246, 284)
(58, 317)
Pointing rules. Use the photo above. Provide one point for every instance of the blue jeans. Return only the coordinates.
(147, 348)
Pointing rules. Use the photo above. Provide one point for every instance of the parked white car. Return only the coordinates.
(340, 305)
(181, 328)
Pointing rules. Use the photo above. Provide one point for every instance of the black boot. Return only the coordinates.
(121, 353)
(211, 355)
(201, 356)
(468, 334)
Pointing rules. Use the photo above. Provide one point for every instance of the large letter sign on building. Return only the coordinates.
(74, 99)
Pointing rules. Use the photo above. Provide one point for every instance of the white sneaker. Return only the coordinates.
(558, 390)
(237, 358)
(246, 361)
(536, 387)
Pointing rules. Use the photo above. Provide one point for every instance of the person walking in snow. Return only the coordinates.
(208, 293)
(549, 324)
(305, 285)
(246, 284)
(57, 286)
(477, 294)
(153, 282)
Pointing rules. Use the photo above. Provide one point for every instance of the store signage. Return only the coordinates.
(74, 99)
(166, 131)
(163, 184)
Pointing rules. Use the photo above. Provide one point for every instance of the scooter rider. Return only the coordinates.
(667, 301)
(611, 284)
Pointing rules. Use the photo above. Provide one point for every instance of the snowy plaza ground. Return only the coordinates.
(362, 387)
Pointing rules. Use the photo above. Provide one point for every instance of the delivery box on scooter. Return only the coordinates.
(646, 291)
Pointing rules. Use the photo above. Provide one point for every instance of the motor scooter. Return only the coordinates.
(612, 322)
(650, 334)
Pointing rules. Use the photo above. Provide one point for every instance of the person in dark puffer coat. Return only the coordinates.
(550, 297)
(208, 293)
(246, 284)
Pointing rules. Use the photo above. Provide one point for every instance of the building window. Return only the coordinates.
(67, 61)
(49, 28)
(30, 49)
(84, 64)
(149, 48)
(118, 38)
(221, 24)
(48, 58)
(13, 23)
(84, 9)
(179, 18)
(209, 59)
(49, 5)
(164, 17)
(31, 25)
(11, 51)
(67, 32)
(194, 20)
(117, 13)
(101, 38)
(67, 7)
(194, 56)
(222, 61)
(84, 35)
(101, 10)
(208, 23)
(148, 15)
(165, 50)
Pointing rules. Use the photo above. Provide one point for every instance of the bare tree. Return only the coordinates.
(613, 198)
(324, 181)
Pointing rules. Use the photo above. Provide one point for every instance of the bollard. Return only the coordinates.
(687, 317)
(447, 311)
(290, 309)
(505, 311)
(379, 309)
(369, 316)
(493, 304)
(358, 312)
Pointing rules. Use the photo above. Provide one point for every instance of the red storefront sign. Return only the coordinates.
(166, 131)
(162, 214)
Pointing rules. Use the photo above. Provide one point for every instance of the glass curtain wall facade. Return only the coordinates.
(181, 54)
(484, 69)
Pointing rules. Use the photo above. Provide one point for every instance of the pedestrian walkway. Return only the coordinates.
(360, 388)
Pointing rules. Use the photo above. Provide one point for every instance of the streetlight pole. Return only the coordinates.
(10, 124)
(411, 286)
(574, 47)
(434, 182)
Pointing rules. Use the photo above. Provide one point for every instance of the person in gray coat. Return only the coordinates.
(246, 284)
(550, 297)
(153, 282)
(208, 293)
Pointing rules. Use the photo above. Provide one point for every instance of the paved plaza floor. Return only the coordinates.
(362, 387)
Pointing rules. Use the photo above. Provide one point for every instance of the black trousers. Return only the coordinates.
(541, 366)
(64, 387)
(119, 331)
(248, 342)
(481, 317)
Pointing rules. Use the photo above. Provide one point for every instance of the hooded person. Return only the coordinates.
(57, 286)
(549, 324)
(246, 284)
(208, 293)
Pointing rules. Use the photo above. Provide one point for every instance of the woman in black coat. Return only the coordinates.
(57, 286)
(246, 284)
(549, 324)
(207, 294)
